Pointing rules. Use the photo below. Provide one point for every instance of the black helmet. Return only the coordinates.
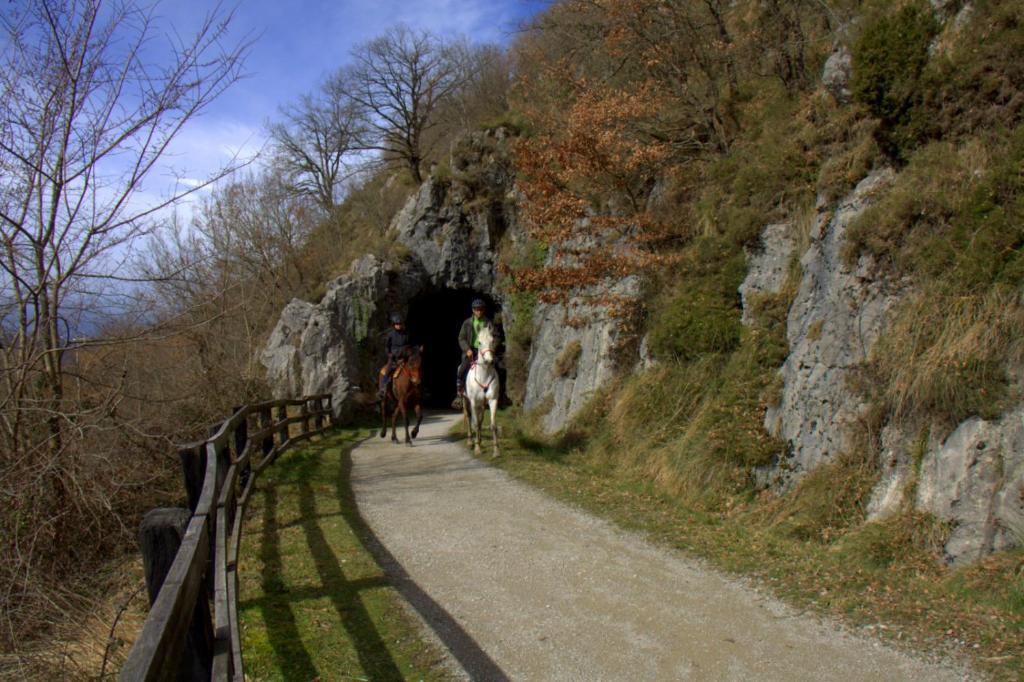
(396, 318)
(479, 303)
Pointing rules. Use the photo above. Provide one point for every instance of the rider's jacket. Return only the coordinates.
(396, 343)
(466, 334)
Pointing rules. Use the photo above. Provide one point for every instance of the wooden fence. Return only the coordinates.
(191, 556)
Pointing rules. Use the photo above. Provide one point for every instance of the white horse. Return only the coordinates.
(482, 387)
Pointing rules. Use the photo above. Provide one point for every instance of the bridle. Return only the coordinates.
(414, 377)
(484, 353)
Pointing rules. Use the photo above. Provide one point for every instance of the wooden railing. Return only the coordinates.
(191, 556)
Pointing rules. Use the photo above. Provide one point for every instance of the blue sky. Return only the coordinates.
(297, 44)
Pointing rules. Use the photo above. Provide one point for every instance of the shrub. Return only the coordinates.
(693, 325)
(889, 59)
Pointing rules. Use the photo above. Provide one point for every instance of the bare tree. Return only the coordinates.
(85, 119)
(91, 96)
(316, 137)
(401, 78)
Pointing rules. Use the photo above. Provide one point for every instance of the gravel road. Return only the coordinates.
(519, 586)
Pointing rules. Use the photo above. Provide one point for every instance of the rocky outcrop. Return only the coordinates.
(453, 246)
(580, 344)
(560, 385)
(833, 322)
(835, 75)
(449, 232)
(768, 266)
(315, 348)
(973, 479)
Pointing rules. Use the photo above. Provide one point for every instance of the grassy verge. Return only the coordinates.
(314, 605)
(865, 577)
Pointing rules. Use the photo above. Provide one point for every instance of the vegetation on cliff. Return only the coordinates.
(690, 143)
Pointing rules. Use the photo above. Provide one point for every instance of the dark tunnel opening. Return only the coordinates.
(434, 321)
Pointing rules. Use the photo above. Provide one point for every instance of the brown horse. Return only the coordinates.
(405, 390)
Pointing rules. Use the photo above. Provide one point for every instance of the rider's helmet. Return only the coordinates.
(396, 318)
(479, 303)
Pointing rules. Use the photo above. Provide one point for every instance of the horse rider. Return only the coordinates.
(470, 344)
(396, 346)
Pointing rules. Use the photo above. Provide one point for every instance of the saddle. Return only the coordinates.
(399, 366)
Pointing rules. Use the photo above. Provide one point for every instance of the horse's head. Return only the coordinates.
(414, 364)
(486, 339)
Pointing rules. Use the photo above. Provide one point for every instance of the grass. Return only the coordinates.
(314, 604)
(885, 573)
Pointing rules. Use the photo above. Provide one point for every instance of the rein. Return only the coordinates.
(483, 353)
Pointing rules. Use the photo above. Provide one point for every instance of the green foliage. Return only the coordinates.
(695, 324)
(695, 423)
(955, 216)
(953, 223)
(830, 500)
(889, 59)
(700, 316)
(765, 175)
(902, 537)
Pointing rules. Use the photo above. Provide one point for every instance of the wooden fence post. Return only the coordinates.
(265, 419)
(241, 440)
(304, 411)
(318, 420)
(193, 469)
(160, 537)
(282, 416)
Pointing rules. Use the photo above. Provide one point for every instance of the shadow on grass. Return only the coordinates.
(283, 632)
(278, 600)
(466, 651)
(374, 657)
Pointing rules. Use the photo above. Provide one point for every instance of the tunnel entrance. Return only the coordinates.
(434, 321)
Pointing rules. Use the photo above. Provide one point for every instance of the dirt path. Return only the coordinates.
(519, 586)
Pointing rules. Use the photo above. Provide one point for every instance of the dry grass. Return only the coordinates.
(565, 363)
(94, 632)
(947, 357)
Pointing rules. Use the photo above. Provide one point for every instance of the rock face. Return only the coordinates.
(835, 75)
(835, 319)
(972, 479)
(450, 234)
(574, 353)
(579, 345)
(315, 348)
(453, 247)
(768, 266)
(975, 480)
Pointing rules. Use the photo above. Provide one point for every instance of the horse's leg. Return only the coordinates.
(394, 418)
(478, 425)
(493, 404)
(405, 417)
(384, 416)
(419, 420)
